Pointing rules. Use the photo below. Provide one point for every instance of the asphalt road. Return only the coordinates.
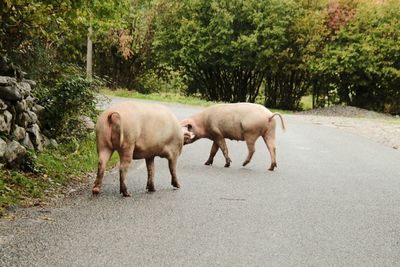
(334, 200)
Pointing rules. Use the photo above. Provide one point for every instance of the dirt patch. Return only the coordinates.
(381, 128)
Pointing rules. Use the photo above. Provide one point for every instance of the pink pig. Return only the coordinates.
(239, 121)
(138, 131)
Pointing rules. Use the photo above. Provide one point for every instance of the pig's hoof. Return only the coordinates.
(95, 190)
(176, 185)
(273, 165)
(124, 193)
(227, 165)
(151, 189)
(208, 162)
(245, 163)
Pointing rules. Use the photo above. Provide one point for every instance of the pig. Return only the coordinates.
(238, 121)
(138, 131)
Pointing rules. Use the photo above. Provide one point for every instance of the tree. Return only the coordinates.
(363, 58)
(225, 47)
(126, 50)
(31, 32)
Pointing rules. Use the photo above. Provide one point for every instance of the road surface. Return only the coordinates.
(334, 200)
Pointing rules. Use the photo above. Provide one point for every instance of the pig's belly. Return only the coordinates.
(142, 153)
(236, 134)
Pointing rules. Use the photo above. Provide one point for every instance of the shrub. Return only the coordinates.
(72, 97)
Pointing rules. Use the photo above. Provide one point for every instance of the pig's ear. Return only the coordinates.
(186, 124)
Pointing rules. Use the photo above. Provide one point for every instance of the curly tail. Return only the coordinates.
(117, 133)
(280, 116)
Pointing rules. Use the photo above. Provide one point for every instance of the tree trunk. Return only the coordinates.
(89, 54)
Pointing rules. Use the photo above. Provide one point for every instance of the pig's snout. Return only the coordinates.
(188, 136)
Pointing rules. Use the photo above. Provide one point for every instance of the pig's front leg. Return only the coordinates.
(214, 150)
(221, 143)
(150, 175)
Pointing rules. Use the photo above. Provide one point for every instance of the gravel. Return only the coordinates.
(381, 128)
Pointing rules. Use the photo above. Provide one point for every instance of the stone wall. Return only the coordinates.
(19, 121)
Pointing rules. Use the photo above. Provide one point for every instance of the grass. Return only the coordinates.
(306, 102)
(52, 171)
(169, 97)
(163, 97)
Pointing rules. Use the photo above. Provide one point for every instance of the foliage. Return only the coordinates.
(340, 51)
(288, 76)
(37, 35)
(56, 169)
(72, 97)
(362, 62)
(223, 46)
(126, 51)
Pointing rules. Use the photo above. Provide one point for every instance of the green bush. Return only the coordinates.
(73, 96)
(167, 80)
(360, 64)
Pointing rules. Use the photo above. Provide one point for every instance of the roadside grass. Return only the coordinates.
(169, 97)
(52, 172)
(306, 102)
(162, 97)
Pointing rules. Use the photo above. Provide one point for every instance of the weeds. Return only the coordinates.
(50, 172)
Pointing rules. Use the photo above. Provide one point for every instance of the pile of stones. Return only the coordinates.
(19, 121)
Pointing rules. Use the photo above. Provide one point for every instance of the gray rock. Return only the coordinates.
(53, 143)
(19, 133)
(30, 82)
(46, 141)
(3, 80)
(38, 109)
(36, 136)
(24, 88)
(30, 101)
(24, 119)
(27, 142)
(49, 142)
(22, 106)
(14, 152)
(33, 116)
(3, 146)
(87, 122)
(10, 93)
(5, 121)
(3, 105)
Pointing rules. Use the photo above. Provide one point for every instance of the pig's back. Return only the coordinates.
(233, 121)
(152, 128)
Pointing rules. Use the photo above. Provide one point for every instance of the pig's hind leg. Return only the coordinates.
(250, 141)
(214, 150)
(104, 156)
(269, 140)
(125, 157)
(172, 169)
(150, 174)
